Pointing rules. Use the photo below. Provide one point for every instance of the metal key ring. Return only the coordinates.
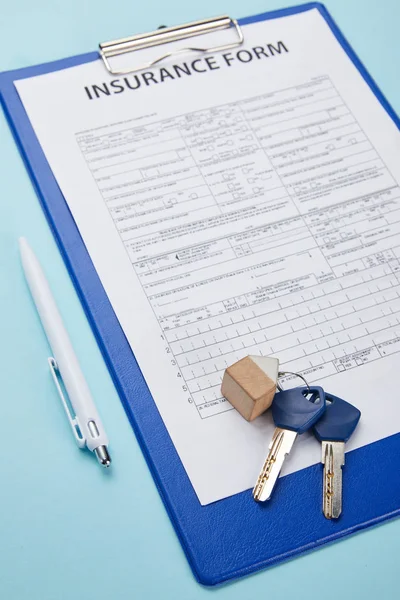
(283, 373)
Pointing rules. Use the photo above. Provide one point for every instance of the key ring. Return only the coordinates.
(283, 373)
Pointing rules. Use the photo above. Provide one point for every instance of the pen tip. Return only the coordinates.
(103, 456)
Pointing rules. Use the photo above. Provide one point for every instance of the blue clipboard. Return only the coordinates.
(236, 536)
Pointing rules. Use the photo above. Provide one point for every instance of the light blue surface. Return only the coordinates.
(67, 529)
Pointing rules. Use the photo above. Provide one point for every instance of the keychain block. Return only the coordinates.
(250, 385)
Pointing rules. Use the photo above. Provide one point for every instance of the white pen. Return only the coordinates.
(86, 425)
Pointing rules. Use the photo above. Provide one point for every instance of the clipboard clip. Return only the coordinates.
(167, 35)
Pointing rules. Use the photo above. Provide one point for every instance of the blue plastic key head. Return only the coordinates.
(338, 422)
(298, 408)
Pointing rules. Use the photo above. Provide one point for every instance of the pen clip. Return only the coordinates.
(73, 421)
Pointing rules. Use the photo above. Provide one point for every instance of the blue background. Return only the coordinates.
(67, 529)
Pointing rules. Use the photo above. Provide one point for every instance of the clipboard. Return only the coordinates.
(235, 536)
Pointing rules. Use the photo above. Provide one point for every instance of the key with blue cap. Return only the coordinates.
(333, 430)
(294, 411)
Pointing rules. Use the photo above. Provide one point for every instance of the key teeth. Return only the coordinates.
(333, 460)
(262, 479)
(261, 482)
(269, 462)
(328, 487)
(257, 495)
(279, 448)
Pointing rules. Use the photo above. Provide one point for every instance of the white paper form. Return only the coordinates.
(241, 204)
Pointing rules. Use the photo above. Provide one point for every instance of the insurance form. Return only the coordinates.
(245, 202)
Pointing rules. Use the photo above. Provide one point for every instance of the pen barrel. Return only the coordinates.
(75, 384)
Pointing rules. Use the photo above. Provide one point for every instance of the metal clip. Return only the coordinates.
(72, 419)
(166, 35)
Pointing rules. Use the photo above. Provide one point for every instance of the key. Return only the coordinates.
(294, 411)
(333, 430)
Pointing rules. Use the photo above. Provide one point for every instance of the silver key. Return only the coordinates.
(279, 448)
(333, 430)
(333, 461)
(294, 411)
